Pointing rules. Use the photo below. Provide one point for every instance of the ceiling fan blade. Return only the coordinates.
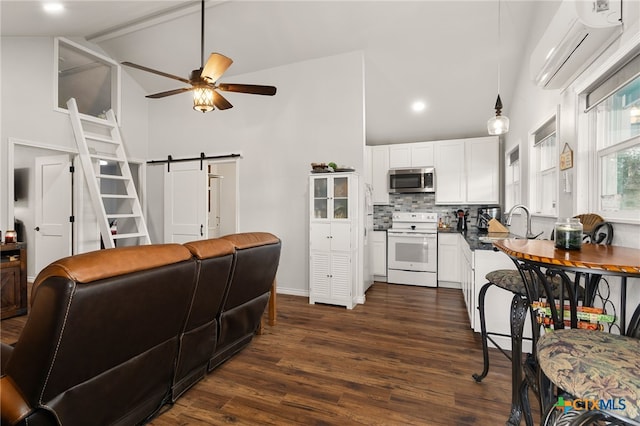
(220, 102)
(216, 65)
(253, 89)
(164, 74)
(169, 93)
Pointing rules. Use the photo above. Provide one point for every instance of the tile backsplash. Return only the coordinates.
(417, 203)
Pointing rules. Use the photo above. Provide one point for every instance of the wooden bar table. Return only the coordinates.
(538, 261)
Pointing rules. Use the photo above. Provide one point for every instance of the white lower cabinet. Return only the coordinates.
(475, 265)
(467, 279)
(448, 260)
(331, 278)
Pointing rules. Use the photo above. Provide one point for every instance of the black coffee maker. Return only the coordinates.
(462, 219)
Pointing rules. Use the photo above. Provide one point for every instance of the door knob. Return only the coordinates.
(37, 228)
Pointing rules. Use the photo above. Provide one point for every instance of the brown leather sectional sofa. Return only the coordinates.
(114, 335)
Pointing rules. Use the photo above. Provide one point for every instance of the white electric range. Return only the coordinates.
(412, 249)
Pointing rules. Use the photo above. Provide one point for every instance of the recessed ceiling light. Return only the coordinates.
(418, 106)
(53, 7)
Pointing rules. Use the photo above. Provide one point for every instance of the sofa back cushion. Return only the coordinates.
(214, 258)
(257, 258)
(101, 340)
(254, 270)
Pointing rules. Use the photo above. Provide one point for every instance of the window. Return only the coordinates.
(92, 79)
(544, 163)
(512, 178)
(613, 110)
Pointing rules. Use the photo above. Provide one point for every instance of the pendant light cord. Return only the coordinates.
(499, 44)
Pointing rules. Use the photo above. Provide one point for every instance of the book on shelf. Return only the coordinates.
(591, 318)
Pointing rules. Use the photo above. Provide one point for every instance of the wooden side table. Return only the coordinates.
(13, 280)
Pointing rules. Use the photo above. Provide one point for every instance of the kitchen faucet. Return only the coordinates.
(529, 235)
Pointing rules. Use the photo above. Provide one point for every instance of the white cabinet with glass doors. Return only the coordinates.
(333, 242)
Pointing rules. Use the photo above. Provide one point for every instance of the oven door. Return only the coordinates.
(412, 251)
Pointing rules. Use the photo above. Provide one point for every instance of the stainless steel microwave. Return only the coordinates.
(412, 180)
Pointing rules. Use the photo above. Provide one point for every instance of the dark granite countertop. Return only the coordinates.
(473, 235)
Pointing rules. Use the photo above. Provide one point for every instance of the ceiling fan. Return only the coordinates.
(204, 81)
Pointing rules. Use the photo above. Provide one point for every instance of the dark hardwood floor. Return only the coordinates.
(405, 357)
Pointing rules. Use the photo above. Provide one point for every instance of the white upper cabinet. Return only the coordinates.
(451, 181)
(399, 156)
(422, 154)
(379, 173)
(468, 171)
(483, 170)
(419, 154)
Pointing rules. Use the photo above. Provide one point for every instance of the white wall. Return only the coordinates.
(27, 81)
(316, 115)
(533, 105)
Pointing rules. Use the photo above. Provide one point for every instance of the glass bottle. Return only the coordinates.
(568, 233)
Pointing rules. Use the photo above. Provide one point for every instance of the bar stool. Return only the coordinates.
(510, 280)
(595, 230)
(597, 375)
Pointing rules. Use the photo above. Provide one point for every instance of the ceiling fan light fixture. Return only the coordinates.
(203, 80)
(203, 99)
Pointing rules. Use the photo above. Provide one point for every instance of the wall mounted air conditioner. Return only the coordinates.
(579, 31)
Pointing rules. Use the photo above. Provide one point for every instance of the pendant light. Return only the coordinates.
(499, 124)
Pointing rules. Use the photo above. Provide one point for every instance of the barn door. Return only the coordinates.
(185, 202)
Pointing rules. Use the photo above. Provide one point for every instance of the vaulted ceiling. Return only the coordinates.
(444, 53)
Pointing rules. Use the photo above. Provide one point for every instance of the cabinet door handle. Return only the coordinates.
(37, 228)
(201, 230)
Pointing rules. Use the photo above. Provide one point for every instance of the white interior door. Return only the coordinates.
(53, 209)
(214, 205)
(185, 203)
(228, 196)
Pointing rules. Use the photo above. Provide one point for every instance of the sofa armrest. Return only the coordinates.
(13, 406)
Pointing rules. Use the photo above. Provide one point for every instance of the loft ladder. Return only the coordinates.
(111, 187)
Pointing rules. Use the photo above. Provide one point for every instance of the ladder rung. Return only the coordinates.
(106, 157)
(132, 235)
(122, 215)
(100, 138)
(113, 177)
(121, 196)
(96, 120)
